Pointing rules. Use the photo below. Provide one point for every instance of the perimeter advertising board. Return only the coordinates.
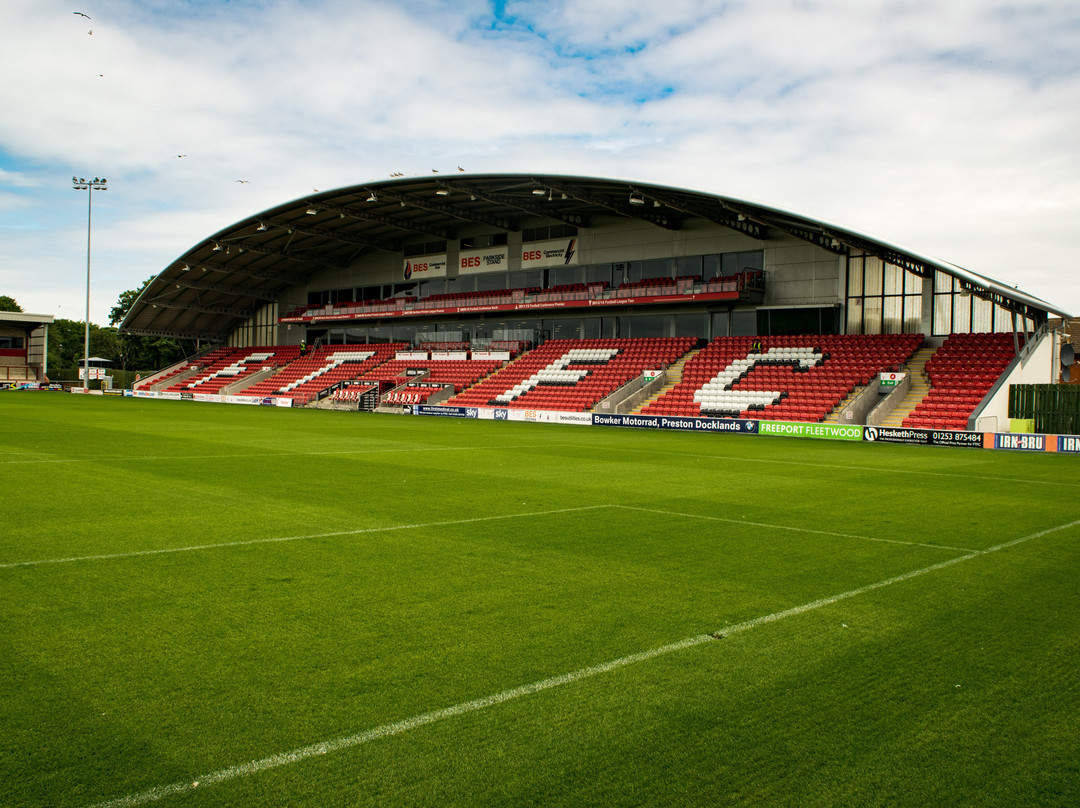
(1019, 443)
(802, 429)
(923, 437)
(736, 425)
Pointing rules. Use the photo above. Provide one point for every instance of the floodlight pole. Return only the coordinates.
(90, 186)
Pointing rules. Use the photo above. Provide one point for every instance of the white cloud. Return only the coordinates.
(945, 125)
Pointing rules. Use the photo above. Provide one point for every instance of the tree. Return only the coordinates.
(8, 304)
(125, 302)
(136, 352)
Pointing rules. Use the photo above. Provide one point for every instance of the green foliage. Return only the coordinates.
(128, 352)
(8, 304)
(224, 584)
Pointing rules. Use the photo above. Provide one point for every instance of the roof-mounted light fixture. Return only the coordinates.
(373, 198)
(312, 211)
(538, 191)
(262, 226)
(443, 192)
(637, 199)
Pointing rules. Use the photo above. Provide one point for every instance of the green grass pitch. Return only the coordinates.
(295, 608)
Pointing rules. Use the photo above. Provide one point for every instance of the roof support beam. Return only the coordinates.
(575, 219)
(657, 218)
(740, 223)
(292, 255)
(265, 296)
(323, 232)
(446, 210)
(389, 221)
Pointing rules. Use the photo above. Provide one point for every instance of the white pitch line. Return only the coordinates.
(796, 529)
(275, 539)
(843, 467)
(400, 727)
(249, 455)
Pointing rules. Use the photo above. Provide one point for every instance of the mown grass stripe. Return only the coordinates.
(275, 539)
(793, 528)
(397, 728)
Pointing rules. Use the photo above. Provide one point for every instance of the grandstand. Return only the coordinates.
(522, 269)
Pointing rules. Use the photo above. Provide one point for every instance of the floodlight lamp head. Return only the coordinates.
(637, 199)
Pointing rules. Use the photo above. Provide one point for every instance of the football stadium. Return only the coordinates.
(555, 490)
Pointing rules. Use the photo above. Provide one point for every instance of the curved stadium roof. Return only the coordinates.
(221, 281)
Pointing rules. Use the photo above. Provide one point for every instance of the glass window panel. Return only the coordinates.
(490, 282)
(567, 329)
(961, 321)
(751, 260)
(660, 268)
(527, 279)
(690, 325)
(404, 333)
(380, 333)
(651, 325)
(892, 317)
(710, 267)
(943, 282)
(854, 316)
(608, 327)
(942, 315)
(912, 283)
(855, 277)
(912, 314)
(688, 265)
(894, 279)
(719, 324)
(598, 273)
(873, 277)
(984, 315)
(743, 322)
(871, 315)
(592, 328)
(729, 265)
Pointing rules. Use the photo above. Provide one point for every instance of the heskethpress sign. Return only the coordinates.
(799, 429)
(923, 437)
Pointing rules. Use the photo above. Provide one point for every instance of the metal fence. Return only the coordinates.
(1055, 408)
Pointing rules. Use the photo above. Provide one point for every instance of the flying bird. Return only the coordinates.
(81, 14)
(434, 171)
(245, 182)
(459, 168)
(181, 155)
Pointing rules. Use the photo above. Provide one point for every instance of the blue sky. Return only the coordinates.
(946, 126)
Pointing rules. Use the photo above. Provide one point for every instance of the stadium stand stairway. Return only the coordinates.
(961, 373)
(920, 387)
(674, 376)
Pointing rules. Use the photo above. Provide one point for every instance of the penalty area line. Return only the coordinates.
(462, 708)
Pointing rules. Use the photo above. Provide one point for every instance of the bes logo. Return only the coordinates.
(408, 270)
